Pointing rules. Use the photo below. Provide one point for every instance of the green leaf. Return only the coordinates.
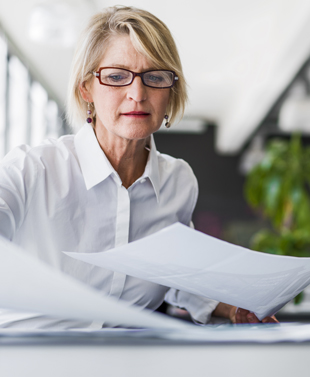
(298, 299)
(280, 187)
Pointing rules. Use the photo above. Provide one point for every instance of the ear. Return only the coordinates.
(85, 92)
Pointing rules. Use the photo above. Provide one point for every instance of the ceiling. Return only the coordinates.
(238, 55)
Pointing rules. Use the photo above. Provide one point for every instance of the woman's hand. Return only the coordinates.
(238, 315)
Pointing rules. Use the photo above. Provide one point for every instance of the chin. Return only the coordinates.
(139, 133)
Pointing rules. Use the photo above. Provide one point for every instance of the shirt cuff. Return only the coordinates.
(200, 308)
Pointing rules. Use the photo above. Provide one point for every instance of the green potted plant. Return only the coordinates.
(279, 187)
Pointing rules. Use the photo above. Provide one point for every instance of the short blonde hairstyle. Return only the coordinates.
(149, 36)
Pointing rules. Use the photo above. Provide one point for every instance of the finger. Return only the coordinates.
(271, 319)
(241, 316)
(244, 314)
(251, 317)
(238, 316)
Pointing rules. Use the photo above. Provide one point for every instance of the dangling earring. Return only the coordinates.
(89, 112)
(167, 124)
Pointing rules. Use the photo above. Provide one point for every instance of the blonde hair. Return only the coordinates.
(149, 36)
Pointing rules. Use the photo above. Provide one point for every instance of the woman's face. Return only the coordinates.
(115, 107)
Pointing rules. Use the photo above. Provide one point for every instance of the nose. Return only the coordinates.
(137, 90)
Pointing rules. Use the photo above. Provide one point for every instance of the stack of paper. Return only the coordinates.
(177, 257)
(185, 259)
(29, 285)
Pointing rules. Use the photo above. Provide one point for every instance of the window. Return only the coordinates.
(18, 109)
(3, 80)
(27, 114)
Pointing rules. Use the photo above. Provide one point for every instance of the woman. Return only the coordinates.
(107, 185)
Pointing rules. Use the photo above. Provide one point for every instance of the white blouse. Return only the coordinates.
(65, 195)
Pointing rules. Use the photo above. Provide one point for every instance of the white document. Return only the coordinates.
(30, 285)
(259, 333)
(185, 259)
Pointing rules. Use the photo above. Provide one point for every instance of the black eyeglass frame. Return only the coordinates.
(134, 74)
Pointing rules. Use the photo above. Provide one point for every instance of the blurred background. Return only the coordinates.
(248, 72)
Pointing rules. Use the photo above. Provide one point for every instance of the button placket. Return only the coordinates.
(121, 236)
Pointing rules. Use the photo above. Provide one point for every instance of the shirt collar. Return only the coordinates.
(96, 167)
(94, 164)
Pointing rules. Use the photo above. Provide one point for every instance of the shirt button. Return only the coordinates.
(142, 180)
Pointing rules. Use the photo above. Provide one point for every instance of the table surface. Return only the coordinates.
(92, 356)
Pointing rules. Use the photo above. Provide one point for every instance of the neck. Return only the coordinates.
(128, 157)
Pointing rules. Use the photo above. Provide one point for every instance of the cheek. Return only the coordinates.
(163, 103)
(107, 103)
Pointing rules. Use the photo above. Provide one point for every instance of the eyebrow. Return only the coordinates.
(126, 67)
(118, 66)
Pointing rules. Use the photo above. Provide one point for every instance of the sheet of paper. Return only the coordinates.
(185, 259)
(261, 333)
(29, 285)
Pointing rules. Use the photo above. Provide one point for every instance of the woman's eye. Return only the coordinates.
(154, 78)
(116, 77)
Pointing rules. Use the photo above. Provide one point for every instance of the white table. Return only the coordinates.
(153, 358)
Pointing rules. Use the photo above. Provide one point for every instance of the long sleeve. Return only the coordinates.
(200, 308)
(16, 176)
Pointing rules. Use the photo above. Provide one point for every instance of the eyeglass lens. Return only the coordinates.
(121, 77)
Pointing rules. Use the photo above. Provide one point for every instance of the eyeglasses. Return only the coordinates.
(112, 76)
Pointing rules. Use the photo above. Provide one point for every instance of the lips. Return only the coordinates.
(136, 113)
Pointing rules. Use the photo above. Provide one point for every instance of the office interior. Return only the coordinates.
(247, 64)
